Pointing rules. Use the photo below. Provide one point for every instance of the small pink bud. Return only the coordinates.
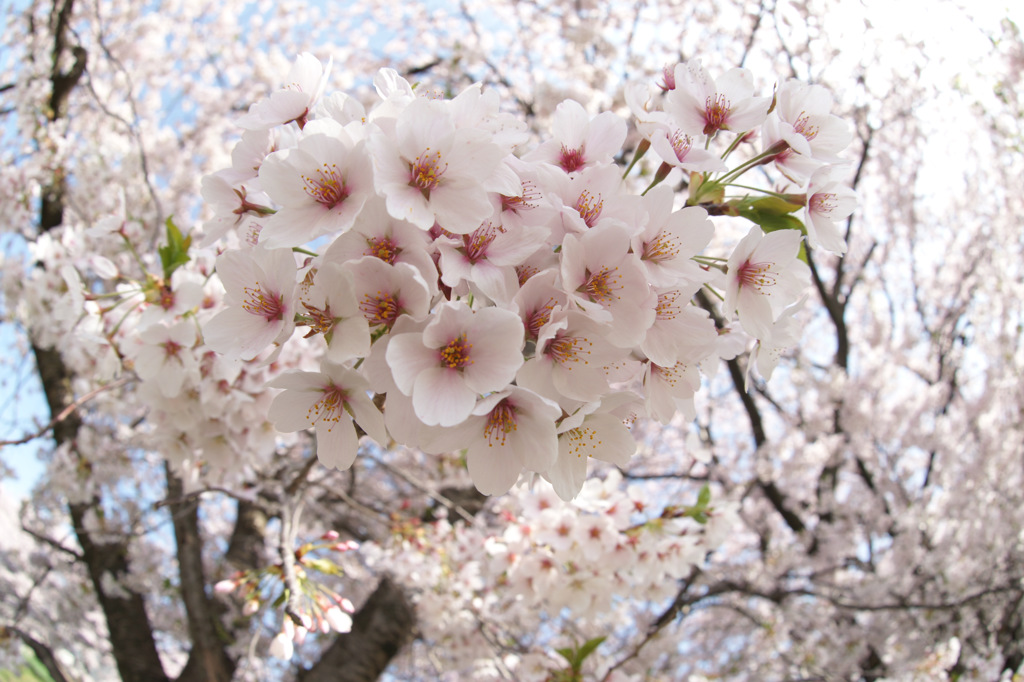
(225, 586)
(330, 536)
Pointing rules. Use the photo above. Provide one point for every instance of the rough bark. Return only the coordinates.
(208, 660)
(131, 636)
(380, 629)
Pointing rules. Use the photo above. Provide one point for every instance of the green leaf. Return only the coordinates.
(775, 205)
(704, 496)
(175, 253)
(588, 648)
(770, 221)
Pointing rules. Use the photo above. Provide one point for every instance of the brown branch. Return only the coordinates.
(208, 660)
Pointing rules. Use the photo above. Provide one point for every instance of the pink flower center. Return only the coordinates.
(822, 203)
(525, 272)
(515, 204)
(320, 321)
(589, 207)
(668, 78)
(425, 173)
(660, 249)
(330, 407)
(475, 244)
(328, 189)
(667, 308)
(568, 349)
(756, 275)
(500, 422)
(380, 309)
(538, 318)
(681, 144)
(456, 354)
(716, 113)
(571, 159)
(267, 306)
(582, 441)
(601, 286)
(383, 248)
(804, 127)
(171, 349)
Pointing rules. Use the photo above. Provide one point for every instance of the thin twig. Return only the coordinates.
(436, 496)
(66, 412)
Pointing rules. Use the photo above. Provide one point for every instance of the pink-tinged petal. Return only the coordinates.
(606, 134)
(235, 331)
(408, 203)
(536, 441)
(780, 246)
(755, 313)
(569, 471)
(493, 468)
(569, 123)
(292, 411)
(749, 114)
(441, 398)
(369, 418)
(408, 357)
(614, 442)
(336, 443)
(350, 338)
(299, 381)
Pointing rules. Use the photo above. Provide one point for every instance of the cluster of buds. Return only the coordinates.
(318, 609)
(524, 305)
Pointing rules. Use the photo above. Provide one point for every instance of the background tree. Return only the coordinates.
(875, 481)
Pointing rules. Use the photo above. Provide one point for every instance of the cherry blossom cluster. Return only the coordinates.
(551, 561)
(467, 290)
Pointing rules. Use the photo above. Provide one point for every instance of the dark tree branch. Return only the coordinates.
(42, 652)
(208, 661)
(131, 635)
(380, 629)
(770, 490)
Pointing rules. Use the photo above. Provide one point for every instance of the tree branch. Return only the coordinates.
(208, 661)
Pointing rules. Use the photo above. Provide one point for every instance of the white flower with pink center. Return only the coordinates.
(670, 239)
(303, 87)
(386, 292)
(605, 279)
(679, 328)
(571, 360)
(260, 297)
(829, 200)
(669, 389)
(329, 401)
(765, 275)
(164, 354)
(506, 432)
(703, 105)
(460, 355)
(321, 185)
(376, 233)
(802, 118)
(430, 171)
(486, 258)
(329, 308)
(580, 141)
(591, 432)
(677, 148)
